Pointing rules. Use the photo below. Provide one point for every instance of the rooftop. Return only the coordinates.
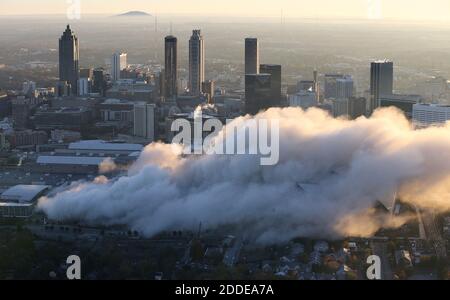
(70, 160)
(23, 193)
(99, 145)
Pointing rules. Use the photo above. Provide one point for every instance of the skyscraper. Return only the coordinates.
(344, 87)
(275, 82)
(144, 121)
(99, 82)
(69, 57)
(208, 90)
(251, 56)
(381, 81)
(316, 87)
(196, 62)
(171, 65)
(356, 107)
(118, 63)
(258, 93)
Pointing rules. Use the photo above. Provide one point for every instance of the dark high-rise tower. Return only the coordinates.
(251, 56)
(258, 93)
(196, 62)
(69, 56)
(275, 73)
(381, 82)
(171, 65)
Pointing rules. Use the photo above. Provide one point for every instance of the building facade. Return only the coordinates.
(118, 63)
(381, 81)
(251, 56)
(196, 62)
(171, 67)
(69, 56)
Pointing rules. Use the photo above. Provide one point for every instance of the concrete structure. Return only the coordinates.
(69, 164)
(357, 107)
(19, 201)
(275, 82)
(340, 107)
(402, 102)
(171, 68)
(144, 121)
(425, 115)
(303, 99)
(118, 63)
(99, 147)
(84, 86)
(28, 138)
(258, 93)
(87, 73)
(381, 81)
(208, 90)
(344, 87)
(116, 110)
(69, 57)
(132, 90)
(196, 62)
(251, 56)
(99, 85)
(63, 118)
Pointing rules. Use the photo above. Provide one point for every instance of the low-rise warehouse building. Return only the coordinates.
(19, 201)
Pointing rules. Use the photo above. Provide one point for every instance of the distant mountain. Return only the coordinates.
(134, 14)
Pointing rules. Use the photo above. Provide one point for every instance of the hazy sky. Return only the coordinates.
(388, 9)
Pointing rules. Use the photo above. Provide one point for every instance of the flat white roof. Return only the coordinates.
(70, 160)
(99, 145)
(23, 193)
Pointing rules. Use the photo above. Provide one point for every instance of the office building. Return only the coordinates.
(258, 93)
(344, 87)
(403, 102)
(357, 107)
(208, 90)
(425, 115)
(132, 90)
(19, 201)
(340, 107)
(170, 70)
(304, 99)
(99, 85)
(118, 63)
(275, 82)
(84, 86)
(252, 56)
(144, 121)
(87, 73)
(381, 82)
(69, 57)
(338, 86)
(196, 62)
(29, 88)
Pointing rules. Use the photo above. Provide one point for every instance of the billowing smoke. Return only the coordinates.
(331, 174)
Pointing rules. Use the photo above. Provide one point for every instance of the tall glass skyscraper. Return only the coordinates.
(275, 73)
(381, 82)
(171, 65)
(196, 62)
(69, 56)
(251, 56)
